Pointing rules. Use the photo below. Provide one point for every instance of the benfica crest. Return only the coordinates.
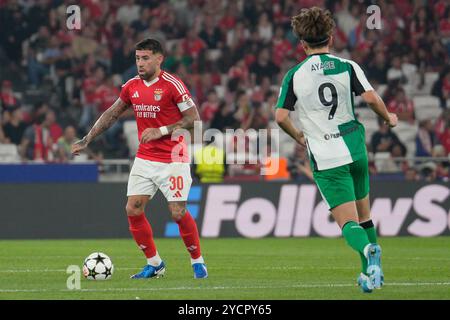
(158, 94)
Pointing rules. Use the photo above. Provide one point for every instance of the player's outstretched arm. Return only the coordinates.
(376, 103)
(285, 123)
(106, 120)
(186, 122)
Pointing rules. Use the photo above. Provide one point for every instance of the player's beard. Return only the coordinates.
(148, 75)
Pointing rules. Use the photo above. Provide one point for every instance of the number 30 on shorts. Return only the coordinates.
(176, 183)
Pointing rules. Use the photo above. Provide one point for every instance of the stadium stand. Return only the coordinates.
(225, 46)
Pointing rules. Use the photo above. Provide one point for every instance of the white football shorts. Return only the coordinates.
(173, 179)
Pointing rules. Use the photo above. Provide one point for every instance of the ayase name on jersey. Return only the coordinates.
(327, 65)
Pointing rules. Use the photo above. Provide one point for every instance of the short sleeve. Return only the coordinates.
(124, 94)
(180, 94)
(287, 97)
(359, 82)
(184, 101)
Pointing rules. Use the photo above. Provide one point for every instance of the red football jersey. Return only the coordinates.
(158, 103)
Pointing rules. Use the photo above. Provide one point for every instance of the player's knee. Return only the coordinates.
(132, 211)
(134, 207)
(177, 212)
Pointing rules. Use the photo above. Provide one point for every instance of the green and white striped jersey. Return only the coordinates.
(321, 88)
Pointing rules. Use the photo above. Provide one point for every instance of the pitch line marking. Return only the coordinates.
(137, 268)
(286, 268)
(305, 285)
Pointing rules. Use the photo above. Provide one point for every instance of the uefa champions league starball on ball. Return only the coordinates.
(98, 266)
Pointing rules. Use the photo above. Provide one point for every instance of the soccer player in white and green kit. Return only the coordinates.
(321, 88)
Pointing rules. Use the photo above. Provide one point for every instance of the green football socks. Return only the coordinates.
(370, 230)
(356, 238)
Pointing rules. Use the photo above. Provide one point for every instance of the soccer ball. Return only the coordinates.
(98, 266)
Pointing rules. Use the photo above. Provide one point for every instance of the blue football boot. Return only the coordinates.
(151, 272)
(365, 283)
(200, 271)
(360, 280)
(374, 265)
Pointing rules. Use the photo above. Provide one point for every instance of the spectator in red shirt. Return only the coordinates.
(193, 44)
(7, 98)
(228, 21)
(95, 9)
(55, 129)
(105, 95)
(441, 122)
(405, 7)
(281, 47)
(39, 140)
(281, 17)
(444, 27)
(444, 137)
(402, 106)
(89, 96)
(440, 7)
(391, 21)
(209, 108)
(260, 91)
(240, 71)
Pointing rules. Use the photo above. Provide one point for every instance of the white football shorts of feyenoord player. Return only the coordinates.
(173, 179)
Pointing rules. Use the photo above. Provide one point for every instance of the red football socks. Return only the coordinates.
(142, 234)
(189, 233)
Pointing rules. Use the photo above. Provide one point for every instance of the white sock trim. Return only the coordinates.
(198, 260)
(155, 260)
(366, 250)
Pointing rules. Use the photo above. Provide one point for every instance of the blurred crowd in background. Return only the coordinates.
(232, 55)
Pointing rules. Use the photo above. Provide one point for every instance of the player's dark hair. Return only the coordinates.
(314, 26)
(150, 44)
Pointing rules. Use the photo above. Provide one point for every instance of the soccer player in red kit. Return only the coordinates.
(162, 104)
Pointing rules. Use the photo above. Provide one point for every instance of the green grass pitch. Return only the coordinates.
(270, 268)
